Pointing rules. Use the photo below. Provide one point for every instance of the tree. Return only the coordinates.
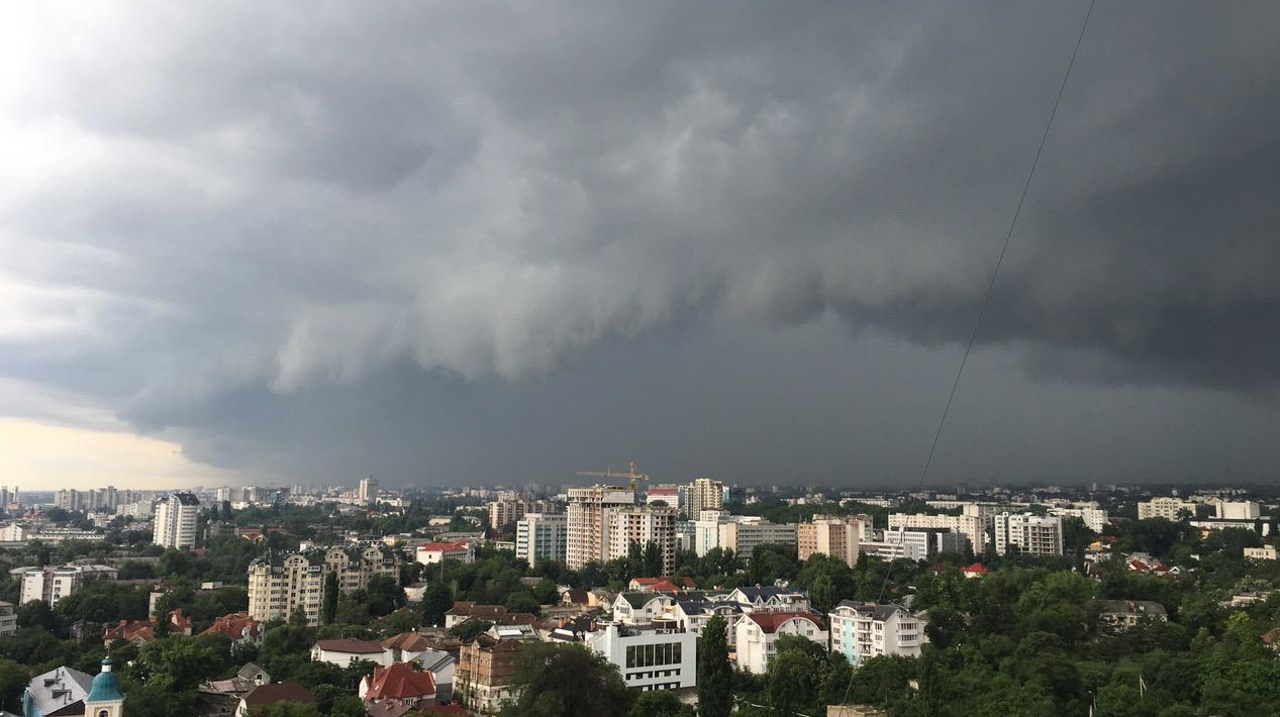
(13, 680)
(715, 674)
(436, 601)
(566, 681)
(329, 606)
(660, 703)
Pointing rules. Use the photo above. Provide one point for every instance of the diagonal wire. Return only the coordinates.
(995, 272)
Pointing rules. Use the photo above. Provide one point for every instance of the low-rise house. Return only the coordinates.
(757, 632)
(140, 631)
(398, 684)
(483, 679)
(414, 593)
(1117, 616)
(635, 607)
(247, 678)
(344, 652)
(769, 598)
(264, 695)
(463, 611)
(860, 631)
(975, 571)
(1266, 552)
(661, 585)
(238, 627)
(59, 692)
(435, 553)
(693, 615)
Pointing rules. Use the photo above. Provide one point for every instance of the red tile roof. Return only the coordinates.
(444, 547)
(411, 641)
(400, 682)
(771, 621)
(237, 626)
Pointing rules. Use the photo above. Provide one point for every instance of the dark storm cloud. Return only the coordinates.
(222, 213)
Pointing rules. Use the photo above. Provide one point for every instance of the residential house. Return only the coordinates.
(343, 652)
(633, 607)
(399, 684)
(264, 695)
(1120, 615)
(436, 553)
(757, 633)
(769, 598)
(860, 631)
(238, 627)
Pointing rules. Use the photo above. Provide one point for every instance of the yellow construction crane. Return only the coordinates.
(631, 476)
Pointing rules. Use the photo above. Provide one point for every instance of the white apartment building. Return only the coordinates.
(8, 619)
(367, 491)
(51, 583)
(1266, 552)
(1032, 534)
(542, 536)
(280, 585)
(1095, 519)
(703, 494)
(658, 656)
(917, 544)
(837, 537)
(973, 527)
(1167, 508)
(739, 533)
(175, 523)
(1229, 510)
(860, 631)
(757, 634)
(641, 525)
(587, 531)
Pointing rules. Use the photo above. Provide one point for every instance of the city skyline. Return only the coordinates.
(438, 248)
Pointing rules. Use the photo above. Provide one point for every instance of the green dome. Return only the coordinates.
(106, 686)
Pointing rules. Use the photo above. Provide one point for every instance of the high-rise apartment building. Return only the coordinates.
(703, 494)
(1031, 534)
(175, 522)
(837, 537)
(587, 530)
(503, 512)
(640, 525)
(367, 493)
(279, 585)
(542, 536)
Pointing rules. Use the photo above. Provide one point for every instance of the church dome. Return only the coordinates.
(106, 686)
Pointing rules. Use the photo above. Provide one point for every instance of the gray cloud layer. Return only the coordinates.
(226, 217)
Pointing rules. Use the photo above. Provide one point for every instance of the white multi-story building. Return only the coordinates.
(367, 491)
(8, 619)
(175, 523)
(1032, 534)
(703, 494)
(640, 525)
(1228, 510)
(916, 544)
(657, 656)
(51, 583)
(542, 536)
(1095, 519)
(973, 527)
(757, 633)
(1167, 508)
(280, 585)
(860, 631)
(587, 530)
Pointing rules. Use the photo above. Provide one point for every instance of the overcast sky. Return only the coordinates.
(474, 242)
